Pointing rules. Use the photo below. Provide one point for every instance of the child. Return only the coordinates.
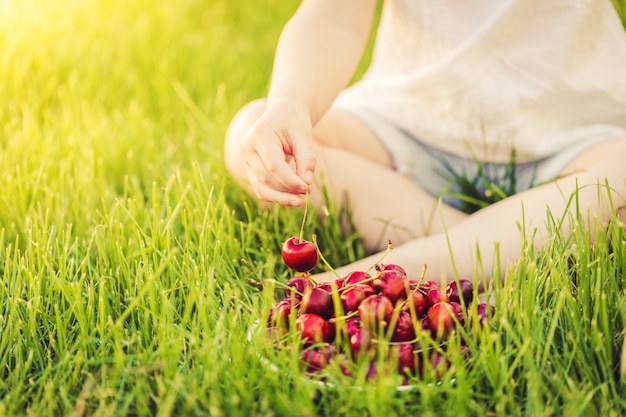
(450, 84)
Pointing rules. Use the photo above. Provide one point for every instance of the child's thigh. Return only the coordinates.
(605, 156)
(344, 130)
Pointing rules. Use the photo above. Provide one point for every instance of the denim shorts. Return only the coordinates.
(468, 184)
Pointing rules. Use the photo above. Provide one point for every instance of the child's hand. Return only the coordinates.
(318, 51)
(278, 153)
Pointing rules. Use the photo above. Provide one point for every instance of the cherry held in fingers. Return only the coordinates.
(299, 254)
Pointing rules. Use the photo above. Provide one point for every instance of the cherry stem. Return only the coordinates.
(324, 260)
(363, 281)
(284, 286)
(377, 263)
(306, 209)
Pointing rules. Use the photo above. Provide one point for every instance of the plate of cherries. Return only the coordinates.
(374, 322)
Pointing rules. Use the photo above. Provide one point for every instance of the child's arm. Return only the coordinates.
(317, 54)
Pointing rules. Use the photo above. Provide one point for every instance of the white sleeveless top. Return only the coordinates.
(480, 76)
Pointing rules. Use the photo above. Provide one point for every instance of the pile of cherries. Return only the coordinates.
(350, 319)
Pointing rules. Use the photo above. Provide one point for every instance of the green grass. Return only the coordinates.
(121, 286)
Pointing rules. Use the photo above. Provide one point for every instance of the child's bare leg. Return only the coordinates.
(508, 222)
(355, 167)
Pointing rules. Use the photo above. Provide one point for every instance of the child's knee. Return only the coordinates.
(237, 128)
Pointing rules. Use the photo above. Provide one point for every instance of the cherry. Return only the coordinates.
(327, 286)
(318, 301)
(406, 357)
(351, 325)
(372, 371)
(354, 295)
(430, 285)
(418, 299)
(340, 283)
(458, 311)
(392, 267)
(358, 338)
(314, 329)
(485, 312)
(461, 289)
(439, 364)
(441, 318)
(344, 364)
(434, 296)
(357, 277)
(329, 350)
(359, 342)
(298, 286)
(299, 254)
(375, 311)
(392, 282)
(465, 351)
(279, 313)
(404, 330)
(314, 360)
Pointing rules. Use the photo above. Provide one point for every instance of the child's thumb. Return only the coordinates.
(305, 166)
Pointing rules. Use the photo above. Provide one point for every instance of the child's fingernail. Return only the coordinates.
(308, 177)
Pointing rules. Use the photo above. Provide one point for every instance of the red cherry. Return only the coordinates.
(375, 311)
(392, 283)
(462, 289)
(441, 318)
(430, 285)
(357, 277)
(329, 350)
(340, 282)
(326, 286)
(317, 301)
(351, 325)
(439, 364)
(354, 295)
(314, 360)
(372, 371)
(299, 254)
(392, 267)
(407, 358)
(314, 329)
(297, 286)
(279, 313)
(359, 342)
(485, 312)
(458, 312)
(344, 364)
(434, 296)
(404, 330)
(358, 338)
(418, 299)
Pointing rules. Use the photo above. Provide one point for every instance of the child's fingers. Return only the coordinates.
(274, 167)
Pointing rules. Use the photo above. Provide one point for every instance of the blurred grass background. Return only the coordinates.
(121, 287)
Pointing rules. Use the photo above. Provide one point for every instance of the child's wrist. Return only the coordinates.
(289, 105)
